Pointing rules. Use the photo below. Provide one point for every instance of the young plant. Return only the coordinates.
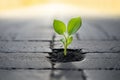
(67, 31)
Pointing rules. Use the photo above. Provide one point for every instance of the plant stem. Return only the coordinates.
(65, 50)
(65, 46)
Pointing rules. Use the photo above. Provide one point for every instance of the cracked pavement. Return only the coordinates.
(24, 45)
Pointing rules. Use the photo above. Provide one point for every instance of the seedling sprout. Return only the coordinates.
(67, 31)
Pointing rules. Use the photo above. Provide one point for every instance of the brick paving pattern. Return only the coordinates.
(24, 45)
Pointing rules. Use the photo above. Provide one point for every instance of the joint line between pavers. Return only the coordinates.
(25, 40)
(101, 52)
(22, 52)
(83, 75)
(67, 69)
(52, 42)
(77, 36)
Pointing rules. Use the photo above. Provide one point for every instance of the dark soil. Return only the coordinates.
(72, 55)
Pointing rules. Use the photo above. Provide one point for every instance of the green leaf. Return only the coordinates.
(59, 27)
(73, 25)
(69, 41)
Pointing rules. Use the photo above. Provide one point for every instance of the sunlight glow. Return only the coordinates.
(50, 10)
(34, 8)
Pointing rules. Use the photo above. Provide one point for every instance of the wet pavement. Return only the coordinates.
(25, 44)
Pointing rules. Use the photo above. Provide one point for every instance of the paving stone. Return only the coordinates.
(24, 75)
(94, 61)
(25, 30)
(24, 60)
(43, 34)
(102, 74)
(35, 34)
(93, 46)
(67, 75)
(99, 29)
(40, 75)
(24, 46)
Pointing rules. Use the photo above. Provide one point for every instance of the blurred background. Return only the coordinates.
(101, 18)
(32, 8)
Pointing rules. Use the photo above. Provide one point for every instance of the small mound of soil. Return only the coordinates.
(72, 55)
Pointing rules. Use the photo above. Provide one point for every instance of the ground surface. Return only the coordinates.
(24, 45)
